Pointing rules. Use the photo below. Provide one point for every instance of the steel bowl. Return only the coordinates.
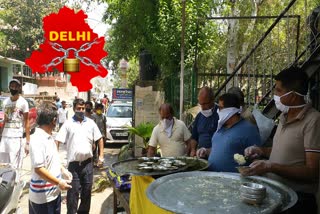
(253, 188)
(252, 201)
(143, 159)
(154, 159)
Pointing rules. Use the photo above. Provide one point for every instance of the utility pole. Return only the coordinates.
(183, 25)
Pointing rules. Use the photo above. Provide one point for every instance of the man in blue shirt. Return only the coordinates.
(206, 121)
(233, 135)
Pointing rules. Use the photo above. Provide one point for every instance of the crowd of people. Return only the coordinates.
(227, 128)
(219, 131)
(84, 138)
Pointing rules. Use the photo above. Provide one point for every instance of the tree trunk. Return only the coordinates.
(232, 50)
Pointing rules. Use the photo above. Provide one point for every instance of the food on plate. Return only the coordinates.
(240, 159)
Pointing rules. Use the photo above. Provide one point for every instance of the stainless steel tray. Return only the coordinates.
(214, 192)
(130, 167)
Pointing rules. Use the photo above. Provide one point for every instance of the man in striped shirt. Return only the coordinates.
(48, 177)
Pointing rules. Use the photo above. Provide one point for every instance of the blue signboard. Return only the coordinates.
(121, 94)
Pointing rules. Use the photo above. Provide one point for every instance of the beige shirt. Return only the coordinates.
(171, 146)
(292, 140)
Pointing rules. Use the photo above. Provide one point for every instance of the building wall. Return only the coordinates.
(6, 75)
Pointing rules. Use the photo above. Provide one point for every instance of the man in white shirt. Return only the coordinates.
(62, 114)
(48, 176)
(80, 133)
(170, 134)
(16, 120)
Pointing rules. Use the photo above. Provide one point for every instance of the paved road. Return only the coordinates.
(100, 202)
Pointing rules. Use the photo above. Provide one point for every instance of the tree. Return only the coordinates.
(21, 25)
(155, 26)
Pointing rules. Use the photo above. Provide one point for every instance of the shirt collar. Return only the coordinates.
(74, 119)
(300, 116)
(40, 131)
(173, 127)
(223, 128)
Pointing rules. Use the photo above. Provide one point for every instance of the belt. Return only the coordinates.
(85, 162)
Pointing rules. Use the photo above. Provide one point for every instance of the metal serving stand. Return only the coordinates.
(214, 192)
(130, 167)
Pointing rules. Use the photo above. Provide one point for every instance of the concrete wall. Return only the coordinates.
(146, 103)
(6, 74)
(29, 88)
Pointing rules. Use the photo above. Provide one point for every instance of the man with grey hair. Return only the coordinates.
(48, 176)
(170, 134)
(206, 121)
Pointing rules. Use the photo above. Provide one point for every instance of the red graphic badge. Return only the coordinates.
(70, 46)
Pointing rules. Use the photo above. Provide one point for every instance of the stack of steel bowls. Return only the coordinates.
(252, 193)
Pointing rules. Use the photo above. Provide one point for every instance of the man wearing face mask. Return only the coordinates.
(80, 133)
(206, 121)
(245, 112)
(101, 121)
(170, 134)
(295, 154)
(233, 135)
(16, 120)
(89, 107)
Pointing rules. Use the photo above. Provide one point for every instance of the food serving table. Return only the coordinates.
(130, 167)
(214, 192)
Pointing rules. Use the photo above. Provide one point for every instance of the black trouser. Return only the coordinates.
(306, 203)
(82, 173)
(52, 207)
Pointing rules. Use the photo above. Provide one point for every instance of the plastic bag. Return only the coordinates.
(265, 124)
(121, 182)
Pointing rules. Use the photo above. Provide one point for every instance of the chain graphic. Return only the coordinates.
(85, 60)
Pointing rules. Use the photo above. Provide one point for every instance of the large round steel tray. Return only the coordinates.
(130, 167)
(214, 192)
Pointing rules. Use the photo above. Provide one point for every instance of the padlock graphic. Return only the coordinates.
(71, 65)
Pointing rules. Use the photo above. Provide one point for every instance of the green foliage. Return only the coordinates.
(126, 152)
(21, 25)
(156, 27)
(143, 130)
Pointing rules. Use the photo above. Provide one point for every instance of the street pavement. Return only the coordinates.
(101, 202)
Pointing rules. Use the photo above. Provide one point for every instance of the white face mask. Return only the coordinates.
(283, 108)
(225, 114)
(206, 113)
(167, 123)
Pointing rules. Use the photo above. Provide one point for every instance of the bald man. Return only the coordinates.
(170, 134)
(206, 121)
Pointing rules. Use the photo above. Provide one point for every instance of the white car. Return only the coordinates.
(119, 115)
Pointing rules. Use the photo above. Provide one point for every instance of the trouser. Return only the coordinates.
(82, 173)
(52, 207)
(15, 148)
(306, 204)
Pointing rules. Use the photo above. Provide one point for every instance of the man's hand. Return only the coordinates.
(258, 168)
(253, 152)
(202, 153)
(193, 153)
(66, 175)
(64, 185)
(26, 148)
(100, 161)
